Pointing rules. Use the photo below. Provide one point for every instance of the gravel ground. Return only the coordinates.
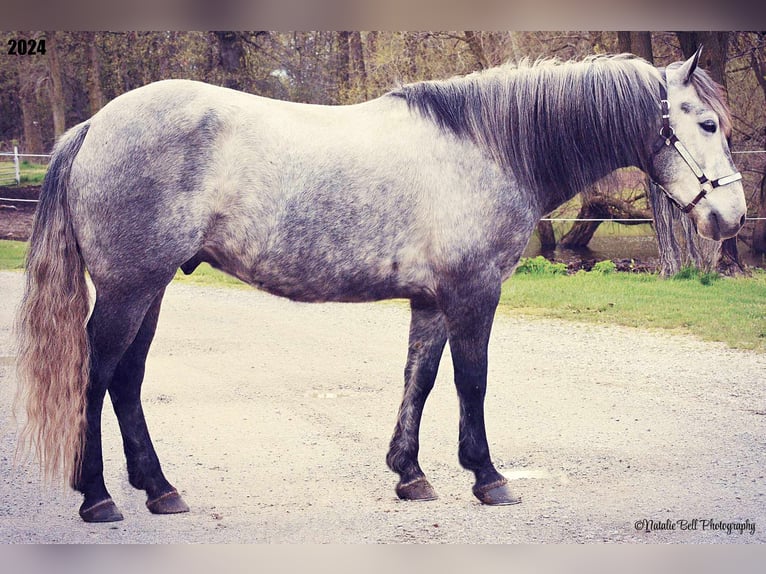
(273, 419)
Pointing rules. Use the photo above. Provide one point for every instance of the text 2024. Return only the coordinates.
(22, 47)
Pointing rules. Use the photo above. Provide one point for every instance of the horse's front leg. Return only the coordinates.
(428, 334)
(469, 309)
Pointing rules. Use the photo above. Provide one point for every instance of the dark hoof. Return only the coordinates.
(104, 511)
(418, 489)
(169, 503)
(496, 494)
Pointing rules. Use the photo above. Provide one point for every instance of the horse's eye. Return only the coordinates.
(709, 126)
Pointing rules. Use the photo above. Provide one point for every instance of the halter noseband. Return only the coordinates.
(668, 137)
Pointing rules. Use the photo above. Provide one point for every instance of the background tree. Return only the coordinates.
(358, 67)
(56, 90)
(231, 58)
(749, 72)
(30, 80)
(344, 63)
(95, 94)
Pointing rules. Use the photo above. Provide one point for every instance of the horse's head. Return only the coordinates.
(692, 163)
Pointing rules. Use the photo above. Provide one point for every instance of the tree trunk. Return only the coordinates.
(638, 43)
(344, 64)
(32, 136)
(33, 141)
(728, 260)
(411, 52)
(667, 243)
(357, 62)
(546, 235)
(95, 95)
(474, 44)
(56, 91)
(371, 40)
(713, 59)
(685, 248)
(759, 232)
(231, 54)
(582, 231)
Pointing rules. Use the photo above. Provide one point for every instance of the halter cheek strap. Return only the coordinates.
(667, 138)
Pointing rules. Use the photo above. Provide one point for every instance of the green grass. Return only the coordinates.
(12, 255)
(729, 310)
(29, 173)
(715, 309)
(206, 275)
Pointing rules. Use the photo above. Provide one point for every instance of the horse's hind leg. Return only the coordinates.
(113, 325)
(144, 470)
(428, 334)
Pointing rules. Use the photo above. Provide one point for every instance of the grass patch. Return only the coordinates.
(692, 273)
(715, 309)
(29, 173)
(727, 310)
(540, 267)
(207, 276)
(12, 254)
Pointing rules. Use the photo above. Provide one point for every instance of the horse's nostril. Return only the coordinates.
(742, 221)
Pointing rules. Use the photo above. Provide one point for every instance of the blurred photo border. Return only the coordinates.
(517, 15)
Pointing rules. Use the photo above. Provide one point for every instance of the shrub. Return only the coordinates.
(604, 267)
(540, 266)
(691, 273)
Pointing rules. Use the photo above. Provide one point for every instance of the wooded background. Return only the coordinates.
(42, 95)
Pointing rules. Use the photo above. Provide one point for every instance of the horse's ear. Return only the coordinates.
(688, 67)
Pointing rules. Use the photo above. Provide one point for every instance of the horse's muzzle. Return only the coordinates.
(717, 228)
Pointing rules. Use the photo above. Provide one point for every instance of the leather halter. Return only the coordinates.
(667, 138)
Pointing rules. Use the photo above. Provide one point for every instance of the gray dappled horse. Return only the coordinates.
(429, 193)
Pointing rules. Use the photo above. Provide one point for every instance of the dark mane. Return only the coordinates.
(558, 127)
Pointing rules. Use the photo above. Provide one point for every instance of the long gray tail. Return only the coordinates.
(53, 361)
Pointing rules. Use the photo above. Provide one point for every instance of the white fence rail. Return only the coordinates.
(10, 172)
(10, 165)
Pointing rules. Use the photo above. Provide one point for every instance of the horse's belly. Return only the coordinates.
(317, 280)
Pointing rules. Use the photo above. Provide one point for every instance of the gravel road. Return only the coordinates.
(273, 419)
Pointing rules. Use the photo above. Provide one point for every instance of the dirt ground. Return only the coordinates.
(16, 216)
(273, 419)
